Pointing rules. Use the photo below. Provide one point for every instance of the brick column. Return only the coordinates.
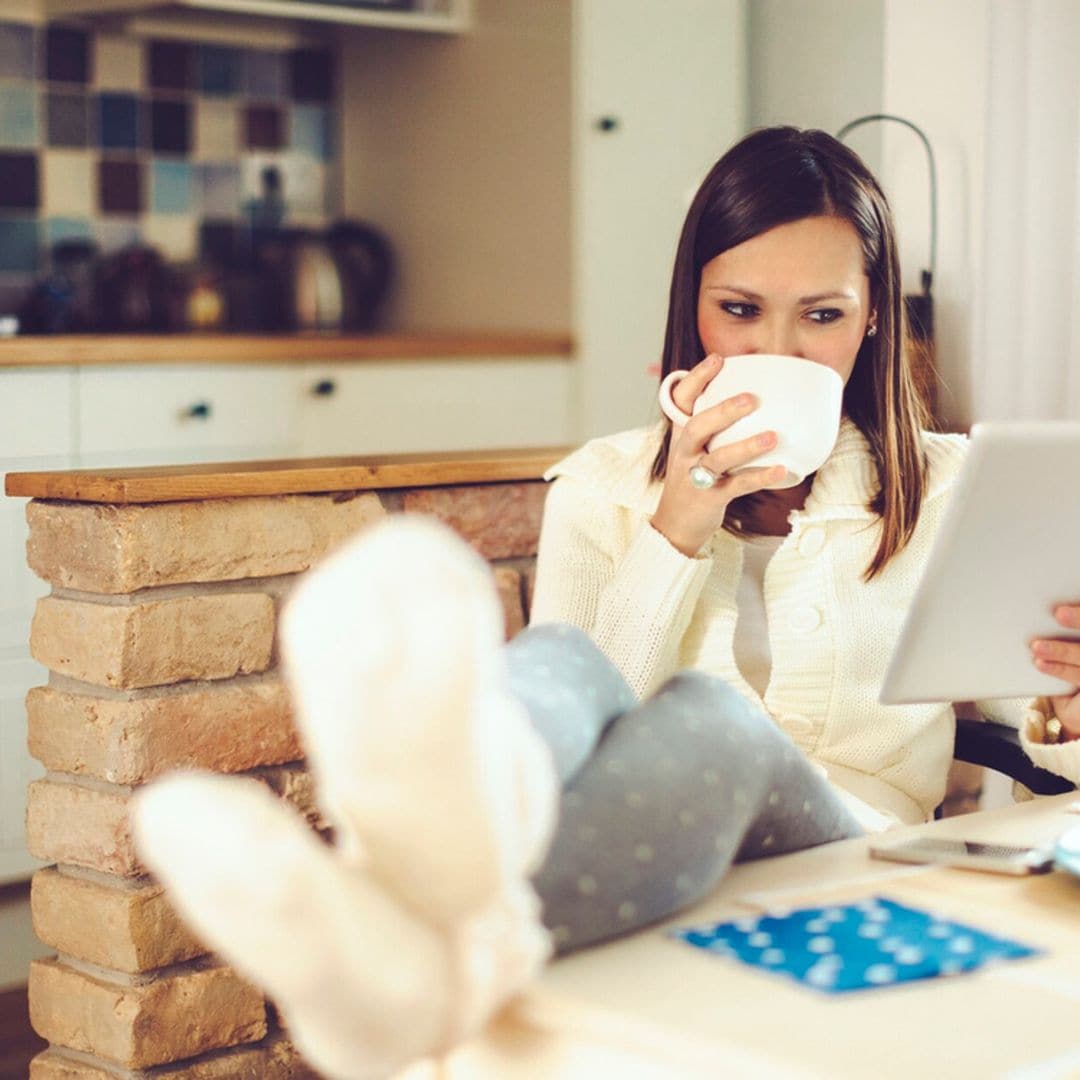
(159, 636)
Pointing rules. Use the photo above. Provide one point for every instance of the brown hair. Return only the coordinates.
(774, 176)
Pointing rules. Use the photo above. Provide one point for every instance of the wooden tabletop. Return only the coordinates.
(175, 483)
(81, 349)
(649, 1006)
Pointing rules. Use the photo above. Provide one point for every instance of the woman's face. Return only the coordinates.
(798, 289)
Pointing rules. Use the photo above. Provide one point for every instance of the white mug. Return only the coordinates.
(798, 399)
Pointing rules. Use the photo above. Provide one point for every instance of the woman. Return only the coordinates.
(480, 795)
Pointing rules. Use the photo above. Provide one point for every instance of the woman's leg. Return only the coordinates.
(657, 803)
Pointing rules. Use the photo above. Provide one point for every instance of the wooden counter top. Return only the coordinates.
(80, 349)
(302, 476)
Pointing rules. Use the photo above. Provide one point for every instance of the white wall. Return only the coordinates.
(817, 63)
(935, 74)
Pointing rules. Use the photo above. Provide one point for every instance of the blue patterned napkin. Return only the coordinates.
(875, 942)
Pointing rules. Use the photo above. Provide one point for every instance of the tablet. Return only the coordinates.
(1008, 551)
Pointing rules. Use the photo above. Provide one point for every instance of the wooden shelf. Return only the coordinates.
(78, 349)
(177, 483)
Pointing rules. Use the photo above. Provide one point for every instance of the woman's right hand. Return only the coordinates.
(688, 516)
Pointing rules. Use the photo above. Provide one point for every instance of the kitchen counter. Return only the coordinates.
(176, 483)
(80, 349)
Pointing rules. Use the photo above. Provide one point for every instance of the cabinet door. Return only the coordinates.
(642, 147)
(36, 432)
(165, 416)
(418, 405)
(17, 767)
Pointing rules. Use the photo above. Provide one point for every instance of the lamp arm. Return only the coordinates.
(928, 275)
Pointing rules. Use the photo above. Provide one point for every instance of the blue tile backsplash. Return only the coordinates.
(187, 143)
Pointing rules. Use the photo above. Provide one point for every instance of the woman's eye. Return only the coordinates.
(825, 315)
(740, 311)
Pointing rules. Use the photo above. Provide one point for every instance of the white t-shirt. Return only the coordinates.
(751, 643)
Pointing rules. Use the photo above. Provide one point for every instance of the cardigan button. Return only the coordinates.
(805, 620)
(811, 542)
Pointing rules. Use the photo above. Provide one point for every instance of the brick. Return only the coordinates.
(508, 584)
(501, 521)
(228, 727)
(530, 588)
(119, 549)
(274, 1058)
(67, 823)
(128, 930)
(87, 827)
(210, 636)
(164, 1020)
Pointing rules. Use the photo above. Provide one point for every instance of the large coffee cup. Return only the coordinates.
(798, 399)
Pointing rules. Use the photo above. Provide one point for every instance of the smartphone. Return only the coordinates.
(966, 854)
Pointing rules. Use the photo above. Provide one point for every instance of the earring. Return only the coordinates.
(871, 331)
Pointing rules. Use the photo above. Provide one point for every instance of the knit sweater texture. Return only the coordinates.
(653, 611)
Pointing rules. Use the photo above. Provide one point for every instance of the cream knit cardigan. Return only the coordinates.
(653, 611)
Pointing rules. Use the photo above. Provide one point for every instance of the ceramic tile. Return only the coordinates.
(264, 127)
(20, 246)
(219, 190)
(119, 119)
(217, 130)
(171, 186)
(21, 188)
(18, 115)
(67, 54)
(251, 170)
(175, 237)
(220, 70)
(67, 119)
(310, 131)
(118, 62)
(121, 187)
(171, 65)
(304, 186)
(311, 74)
(69, 183)
(67, 228)
(112, 234)
(170, 126)
(17, 50)
(265, 74)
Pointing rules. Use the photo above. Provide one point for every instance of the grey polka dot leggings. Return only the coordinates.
(660, 797)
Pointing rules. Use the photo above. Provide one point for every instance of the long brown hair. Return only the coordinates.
(782, 174)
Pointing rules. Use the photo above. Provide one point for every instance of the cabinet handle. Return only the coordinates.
(607, 124)
(201, 410)
(324, 388)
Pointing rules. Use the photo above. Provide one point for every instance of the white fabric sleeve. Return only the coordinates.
(616, 578)
(1029, 716)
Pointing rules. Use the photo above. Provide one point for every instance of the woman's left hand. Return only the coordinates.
(1061, 658)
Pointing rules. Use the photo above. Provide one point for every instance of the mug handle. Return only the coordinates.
(667, 403)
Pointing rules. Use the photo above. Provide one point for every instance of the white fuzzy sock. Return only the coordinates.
(362, 983)
(421, 922)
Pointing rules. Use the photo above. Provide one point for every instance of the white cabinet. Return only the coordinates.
(36, 432)
(157, 415)
(418, 405)
(659, 97)
(434, 16)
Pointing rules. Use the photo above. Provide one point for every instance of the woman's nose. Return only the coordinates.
(778, 338)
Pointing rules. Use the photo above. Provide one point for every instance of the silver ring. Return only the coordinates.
(702, 477)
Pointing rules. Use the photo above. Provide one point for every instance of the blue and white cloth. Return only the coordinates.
(874, 942)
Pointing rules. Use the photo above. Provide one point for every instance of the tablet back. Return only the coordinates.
(1007, 552)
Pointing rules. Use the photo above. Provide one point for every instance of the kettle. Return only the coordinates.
(330, 281)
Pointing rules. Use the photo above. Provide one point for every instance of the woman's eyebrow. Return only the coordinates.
(836, 294)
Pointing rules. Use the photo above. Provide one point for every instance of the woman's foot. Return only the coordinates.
(407, 935)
